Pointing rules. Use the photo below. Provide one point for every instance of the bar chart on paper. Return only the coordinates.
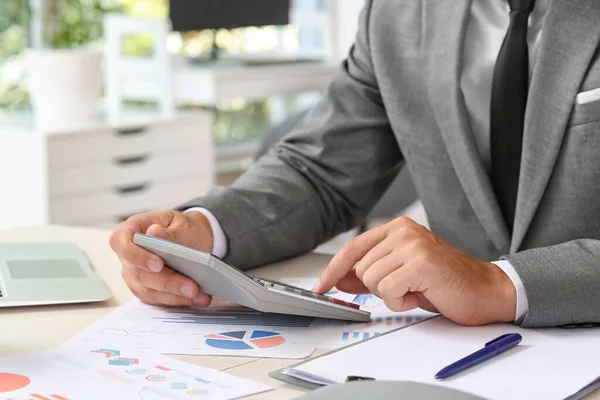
(185, 331)
(382, 320)
(355, 336)
(387, 323)
(38, 396)
(237, 317)
(369, 301)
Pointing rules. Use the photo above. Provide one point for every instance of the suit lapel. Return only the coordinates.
(444, 35)
(569, 41)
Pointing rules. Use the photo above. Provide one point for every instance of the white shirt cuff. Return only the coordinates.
(219, 239)
(522, 303)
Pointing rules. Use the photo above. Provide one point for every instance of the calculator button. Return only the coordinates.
(307, 293)
(344, 303)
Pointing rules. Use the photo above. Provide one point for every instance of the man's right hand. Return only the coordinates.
(145, 273)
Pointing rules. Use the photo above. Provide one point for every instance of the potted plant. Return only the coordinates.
(65, 71)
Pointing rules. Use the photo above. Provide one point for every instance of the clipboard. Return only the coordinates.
(279, 375)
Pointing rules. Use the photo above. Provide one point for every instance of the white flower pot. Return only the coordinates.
(64, 85)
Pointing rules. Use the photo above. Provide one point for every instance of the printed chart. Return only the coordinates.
(136, 332)
(369, 301)
(382, 320)
(183, 331)
(233, 317)
(381, 325)
(37, 396)
(10, 382)
(76, 372)
(244, 340)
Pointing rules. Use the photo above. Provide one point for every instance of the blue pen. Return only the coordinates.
(491, 349)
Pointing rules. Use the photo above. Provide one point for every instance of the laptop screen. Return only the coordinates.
(45, 269)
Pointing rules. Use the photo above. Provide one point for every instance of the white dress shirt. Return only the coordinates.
(487, 26)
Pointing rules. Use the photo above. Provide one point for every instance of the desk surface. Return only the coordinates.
(21, 326)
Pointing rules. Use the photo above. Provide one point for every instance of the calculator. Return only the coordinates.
(220, 279)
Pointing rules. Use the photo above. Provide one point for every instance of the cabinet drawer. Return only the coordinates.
(125, 171)
(123, 202)
(85, 147)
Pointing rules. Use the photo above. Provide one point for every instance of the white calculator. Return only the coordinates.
(217, 278)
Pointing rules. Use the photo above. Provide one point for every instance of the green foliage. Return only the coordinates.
(13, 97)
(13, 12)
(67, 24)
(14, 15)
(146, 8)
(75, 23)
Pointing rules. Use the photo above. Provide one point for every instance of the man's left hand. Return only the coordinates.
(408, 266)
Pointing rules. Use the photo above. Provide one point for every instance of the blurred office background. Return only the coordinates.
(113, 107)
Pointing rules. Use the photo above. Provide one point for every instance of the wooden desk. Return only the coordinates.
(37, 328)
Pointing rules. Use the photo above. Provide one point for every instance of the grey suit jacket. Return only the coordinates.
(395, 101)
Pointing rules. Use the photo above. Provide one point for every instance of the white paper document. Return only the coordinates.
(222, 329)
(343, 333)
(382, 320)
(89, 373)
(547, 364)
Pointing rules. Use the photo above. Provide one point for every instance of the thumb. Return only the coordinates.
(182, 232)
(160, 232)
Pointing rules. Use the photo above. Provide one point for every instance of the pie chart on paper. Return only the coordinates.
(10, 382)
(244, 340)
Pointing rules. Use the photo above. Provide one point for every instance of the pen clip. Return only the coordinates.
(499, 338)
(352, 378)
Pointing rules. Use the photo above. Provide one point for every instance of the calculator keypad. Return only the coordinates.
(308, 293)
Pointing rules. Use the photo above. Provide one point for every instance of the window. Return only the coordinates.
(13, 39)
(237, 121)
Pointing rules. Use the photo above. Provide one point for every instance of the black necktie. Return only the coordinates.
(509, 98)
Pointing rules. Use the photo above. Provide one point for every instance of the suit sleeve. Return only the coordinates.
(321, 180)
(562, 283)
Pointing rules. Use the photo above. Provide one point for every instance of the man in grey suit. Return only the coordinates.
(494, 106)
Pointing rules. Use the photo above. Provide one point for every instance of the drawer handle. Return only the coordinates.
(131, 131)
(123, 218)
(132, 188)
(132, 159)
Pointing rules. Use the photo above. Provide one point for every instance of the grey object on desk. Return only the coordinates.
(220, 279)
(47, 273)
(384, 390)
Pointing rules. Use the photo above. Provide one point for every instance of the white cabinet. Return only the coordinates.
(100, 174)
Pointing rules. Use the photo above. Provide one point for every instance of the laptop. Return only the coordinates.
(47, 273)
